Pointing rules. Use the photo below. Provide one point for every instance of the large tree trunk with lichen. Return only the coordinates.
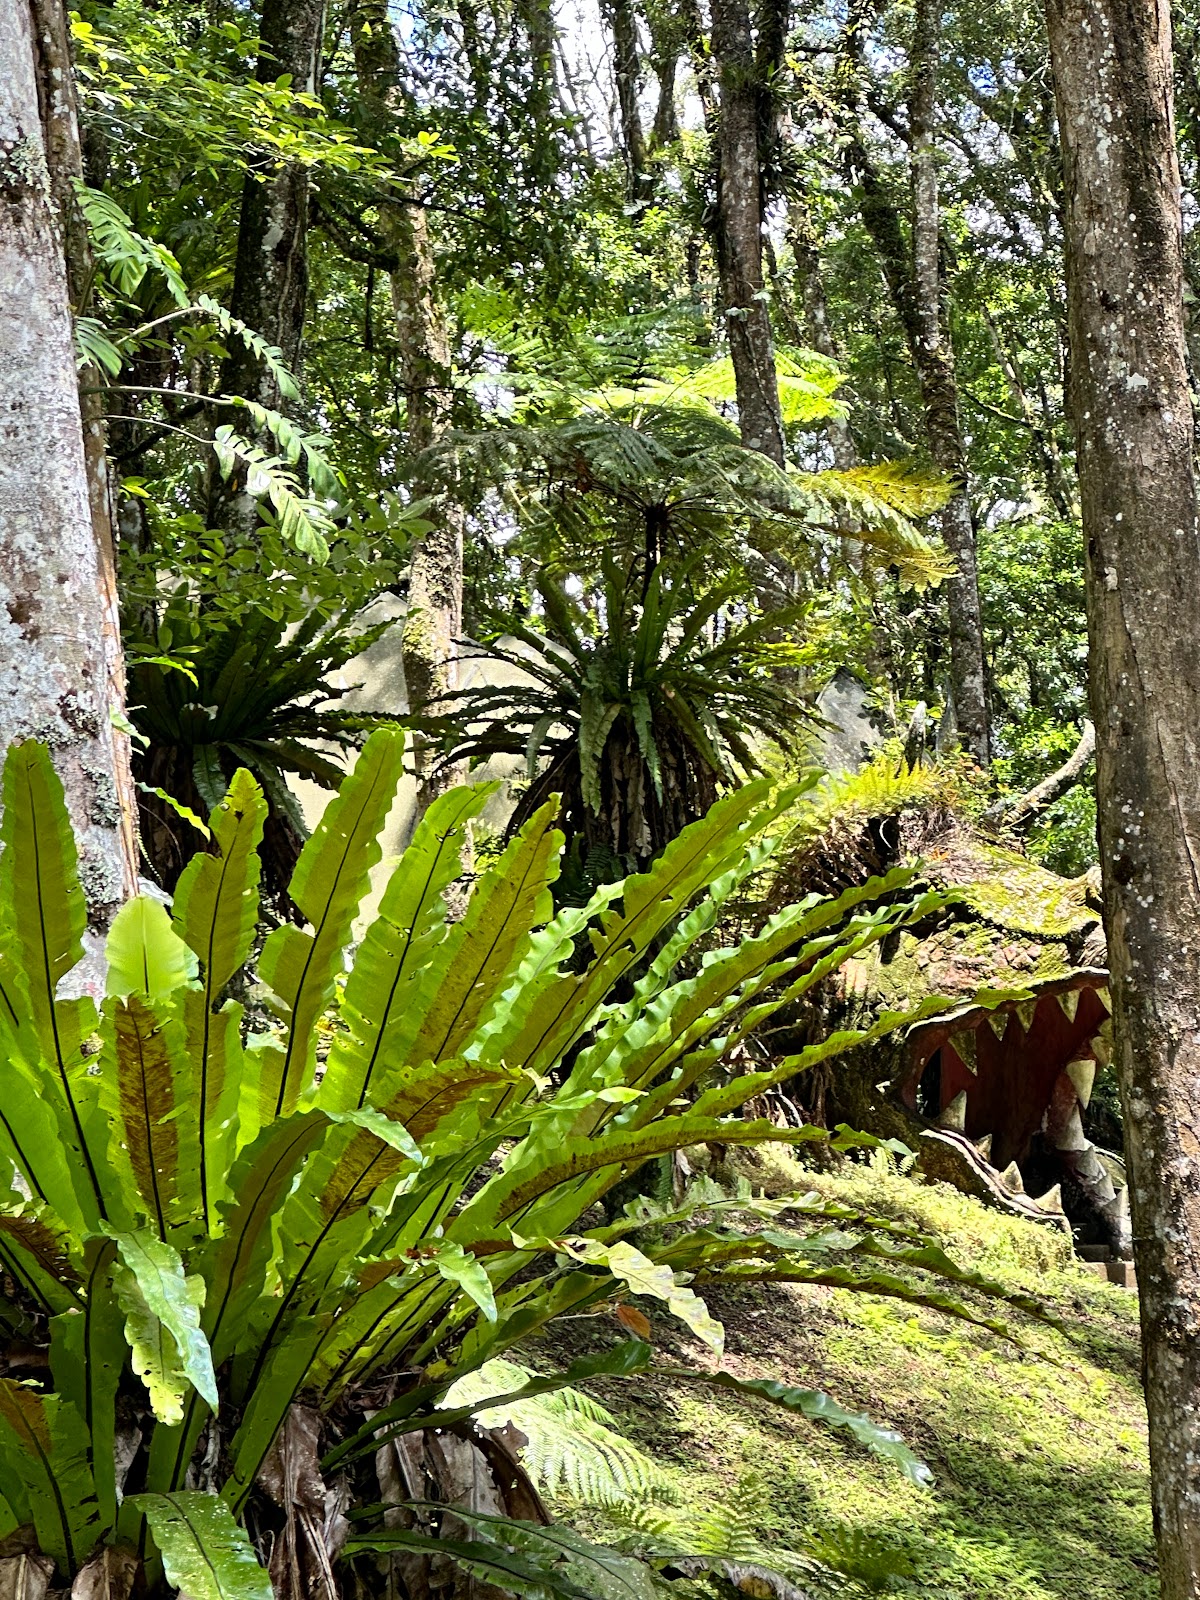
(60, 654)
(1132, 410)
(818, 329)
(621, 20)
(435, 587)
(738, 227)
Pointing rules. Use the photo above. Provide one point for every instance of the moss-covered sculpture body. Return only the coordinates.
(994, 1093)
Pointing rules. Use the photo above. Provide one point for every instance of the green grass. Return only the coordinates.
(1039, 1449)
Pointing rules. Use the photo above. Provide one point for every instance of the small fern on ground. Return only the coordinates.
(573, 1448)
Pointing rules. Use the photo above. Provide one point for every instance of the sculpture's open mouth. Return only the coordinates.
(1003, 1092)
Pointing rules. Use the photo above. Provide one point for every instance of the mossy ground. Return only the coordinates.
(1039, 1449)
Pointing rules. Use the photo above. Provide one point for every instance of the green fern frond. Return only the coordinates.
(573, 1448)
(301, 520)
(806, 384)
(123, 254)
(267, 353)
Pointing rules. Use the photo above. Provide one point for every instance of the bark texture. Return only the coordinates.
(621, 20)
(433, 623)
(270, 277)
(934, 360)
(1133, 419)
(60, 653)
(270, 280)
(739, 225)
(817, 326)
(914, 280)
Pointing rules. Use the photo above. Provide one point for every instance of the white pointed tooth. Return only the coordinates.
(1069, 1001)
(1090, 1170)
(964, 1046)
(1072, 1137)
(1083, 1075)
(1011, 1178)
(1102, 1050)
(984, 1146)
(998, 1022)
(1105, 997)
(1025, 1010)
(955, 1114)
(1119, 1205)
(1051, 1200)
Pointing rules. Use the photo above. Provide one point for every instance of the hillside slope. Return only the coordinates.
(1038, 1448)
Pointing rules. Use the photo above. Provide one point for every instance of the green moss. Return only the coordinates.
(1039, 1452)
(1016, 894)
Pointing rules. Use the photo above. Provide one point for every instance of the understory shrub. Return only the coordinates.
(242, 1269)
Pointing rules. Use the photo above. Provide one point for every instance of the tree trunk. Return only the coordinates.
(739, 223)
(914, 282)
(1133, 419)
(934, 361)
(60, 655)
(622, 25)
(270, 279)
(270, 276)
(817, 326)
(429, 648)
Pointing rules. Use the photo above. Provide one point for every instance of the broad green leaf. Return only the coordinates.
(393, 962)
(205, 1554)
(527, 1178)
(282, 1378)
(244, 1255)
(649, 903)
(87, 1354)
(40, 893)
(36, 1250)
(162, 1323)
(37, 1135)
(216, 899)
(44, 1472)
(43, 910)
(213, 1042)
(327, 885)
(145, 954)
(456, 1266)
(155, 1130)
(465, 976)
(643, 1276)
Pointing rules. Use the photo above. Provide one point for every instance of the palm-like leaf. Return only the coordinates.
(640, 723)
(240, 691)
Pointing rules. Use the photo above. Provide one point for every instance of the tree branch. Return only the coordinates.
(1019, 813)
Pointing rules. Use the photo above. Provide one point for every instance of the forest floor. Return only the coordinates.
(1038, 1448)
